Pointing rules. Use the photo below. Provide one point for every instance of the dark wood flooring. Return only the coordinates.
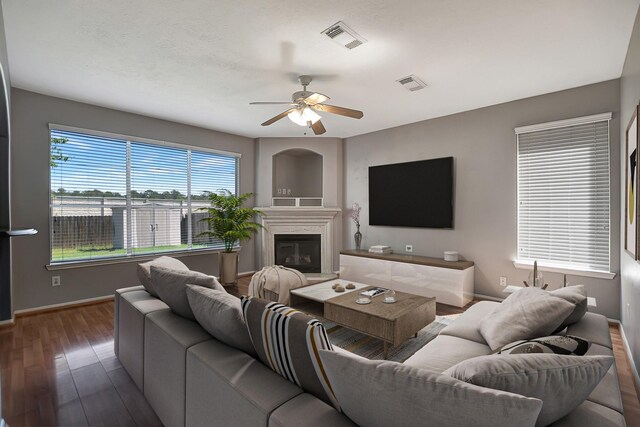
(59, 369)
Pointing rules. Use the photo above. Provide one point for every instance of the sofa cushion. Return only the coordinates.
(220, 314)
(144, 271)
(561, 382)
(593, 327)
(171, 286)
(590, 414)
(526, 313)
(382, 393)
(607, 392)
(466, 325)
(576, 295)
(227, 387)
(312, 410)
(288, 341)
(554, 344)
(445, 351)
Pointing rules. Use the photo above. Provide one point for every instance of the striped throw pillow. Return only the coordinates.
(288, 341)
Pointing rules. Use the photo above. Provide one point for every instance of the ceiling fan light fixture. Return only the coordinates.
(303, 116)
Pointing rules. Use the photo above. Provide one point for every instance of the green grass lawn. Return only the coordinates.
(70, 254)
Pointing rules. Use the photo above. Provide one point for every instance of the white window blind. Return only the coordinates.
(563, 194)
(118, 197)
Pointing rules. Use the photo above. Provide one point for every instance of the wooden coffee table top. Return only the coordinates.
(405, 303)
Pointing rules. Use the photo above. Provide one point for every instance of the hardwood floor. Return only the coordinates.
(59, 368)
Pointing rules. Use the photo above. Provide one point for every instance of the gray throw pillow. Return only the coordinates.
(576, 295)
(171, 286)
(144, 271)
(561, 382)
(381, 393)
(220, 314)
(554, 344)
(526, 313)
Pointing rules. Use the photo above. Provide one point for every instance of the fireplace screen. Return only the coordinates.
(299, 251)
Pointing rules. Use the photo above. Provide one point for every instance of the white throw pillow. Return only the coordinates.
(526, 313)
(171, 286)
(144, 271)
(220, 314)
(576, 295)
(380, 393)
(561, 382)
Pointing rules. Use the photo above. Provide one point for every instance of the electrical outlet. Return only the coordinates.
(408, 248)
(55, 281)
(279, 191)
(503, 281)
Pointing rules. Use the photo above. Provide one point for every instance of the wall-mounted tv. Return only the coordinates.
(412, 194)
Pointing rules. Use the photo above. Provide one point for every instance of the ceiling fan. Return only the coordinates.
(304, 106)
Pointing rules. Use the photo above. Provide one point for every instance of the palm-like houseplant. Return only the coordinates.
(229, 221)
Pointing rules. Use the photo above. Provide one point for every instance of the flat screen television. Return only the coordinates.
(412, 194)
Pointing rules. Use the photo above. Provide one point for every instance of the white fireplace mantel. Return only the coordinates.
(300, 221)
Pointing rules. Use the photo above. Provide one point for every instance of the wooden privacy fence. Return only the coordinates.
(97, 231)
(78, 231)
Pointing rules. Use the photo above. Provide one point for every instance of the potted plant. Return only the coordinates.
(230, 222)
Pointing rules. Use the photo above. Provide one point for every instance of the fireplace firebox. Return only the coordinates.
(299, 251)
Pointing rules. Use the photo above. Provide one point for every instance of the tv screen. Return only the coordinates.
(413, 194)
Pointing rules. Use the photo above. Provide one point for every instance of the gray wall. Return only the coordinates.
(30, 199)
(300, 172)
(630, 269)
(483, 144)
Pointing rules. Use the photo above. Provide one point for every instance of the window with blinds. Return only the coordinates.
(119, 197)
(563, 193)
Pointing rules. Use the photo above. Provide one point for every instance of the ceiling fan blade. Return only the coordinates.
(318, 128)
(273, 103)
(278, 117)
(315, 98)
(339, 110)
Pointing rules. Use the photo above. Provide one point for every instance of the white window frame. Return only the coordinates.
(130, 257)
(547, 265)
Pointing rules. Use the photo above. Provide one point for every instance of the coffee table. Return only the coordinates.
(391, 323)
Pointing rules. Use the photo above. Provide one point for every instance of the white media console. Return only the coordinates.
(451, 282)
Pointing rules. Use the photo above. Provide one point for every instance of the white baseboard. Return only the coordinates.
(488, 297)
(61, 305)
(625, 343)
(246, 273)
(8, 322)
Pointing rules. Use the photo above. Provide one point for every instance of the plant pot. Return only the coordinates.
(228, 262)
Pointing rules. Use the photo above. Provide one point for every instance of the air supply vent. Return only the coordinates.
(412, 83)
(344, 36)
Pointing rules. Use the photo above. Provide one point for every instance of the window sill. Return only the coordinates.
(135, 258)
(528, 265)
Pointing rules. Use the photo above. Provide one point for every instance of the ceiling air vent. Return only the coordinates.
(344, 36)
(412, 83)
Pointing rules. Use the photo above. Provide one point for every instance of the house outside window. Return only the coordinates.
(118, 197)
(564, 195)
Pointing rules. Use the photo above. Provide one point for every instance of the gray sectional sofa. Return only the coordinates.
(192, 379)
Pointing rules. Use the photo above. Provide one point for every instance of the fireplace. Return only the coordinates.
(299, 251)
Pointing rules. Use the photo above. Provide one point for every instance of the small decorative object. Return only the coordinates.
(364, 298)
(339, 288)
(389, 296)
(450, 255)
(351, 286)
(535, 278)
(354, 213)
(335, 285)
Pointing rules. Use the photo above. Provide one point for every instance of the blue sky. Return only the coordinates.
(100, 163)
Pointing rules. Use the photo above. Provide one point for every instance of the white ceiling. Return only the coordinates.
(201, 62)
